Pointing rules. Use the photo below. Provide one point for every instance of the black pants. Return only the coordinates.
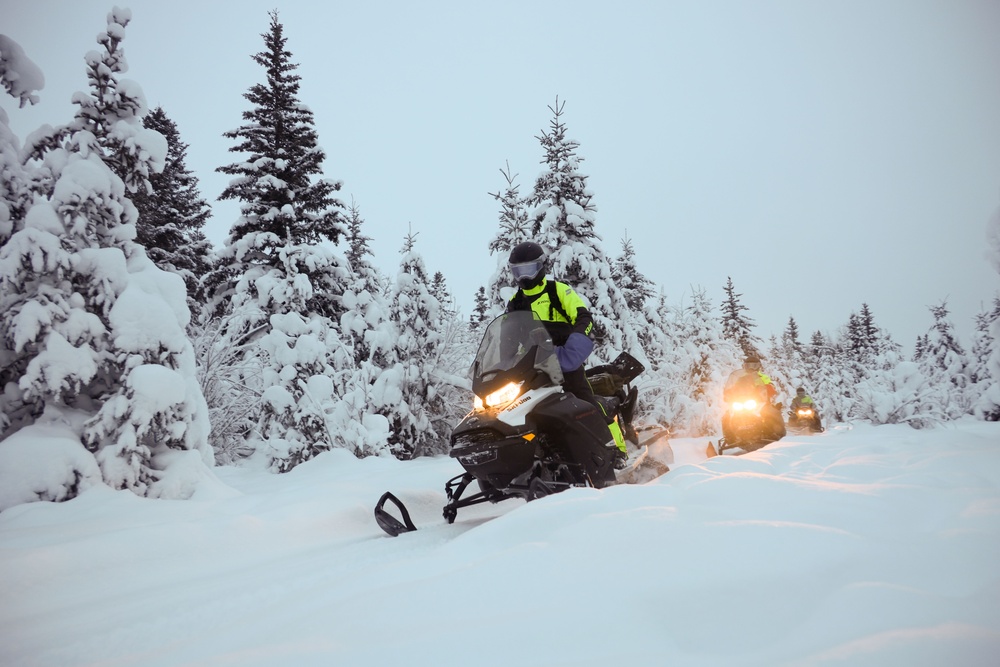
(576, 383)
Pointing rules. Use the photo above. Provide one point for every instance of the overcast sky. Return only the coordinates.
(823, 154)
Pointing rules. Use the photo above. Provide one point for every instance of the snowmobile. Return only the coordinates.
(804, 419)
(750, 422)
(526, 437)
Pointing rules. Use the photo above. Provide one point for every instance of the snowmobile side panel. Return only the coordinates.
(578, 427)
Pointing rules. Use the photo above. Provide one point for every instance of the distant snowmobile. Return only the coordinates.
(526, 437)
(750, 421)
(805, 419)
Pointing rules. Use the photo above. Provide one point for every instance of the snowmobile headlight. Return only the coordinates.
(501, 396)
(805, 412)
(745, 405)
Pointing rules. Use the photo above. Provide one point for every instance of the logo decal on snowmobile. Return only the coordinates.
(517, 403)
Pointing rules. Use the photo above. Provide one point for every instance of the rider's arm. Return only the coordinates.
(576, 308)
(580, 343)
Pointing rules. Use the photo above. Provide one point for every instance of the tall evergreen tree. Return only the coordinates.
(480, 308)
(985, 349)
(15, 200)
(988, 406)
(736, 326)
(367, 330)
(636, 287)
(283, 200)
(945, 363)
(277, 269)
(829, 377)
(90, 324)
(20, 81)
(790, 336)
(563, 222)
(173, 214)
(364, 302)
(514, 229)
(359, 251)
(785, 359)
(983, 343)
(709, 358)
(410, 390)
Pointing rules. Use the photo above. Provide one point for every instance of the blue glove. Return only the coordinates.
(576, 350)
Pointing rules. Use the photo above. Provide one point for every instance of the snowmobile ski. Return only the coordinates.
(389, 523)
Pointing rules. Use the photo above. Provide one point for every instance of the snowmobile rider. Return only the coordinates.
(803, 400)
(752, 377)
(567, 320)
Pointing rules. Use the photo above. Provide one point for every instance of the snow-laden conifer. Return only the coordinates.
(94, 333)
(278, 271)
(563, 221)
(988, 404)
(173, 215)
(736, 326)
(514, 228)
(409, 391)
(946, 365)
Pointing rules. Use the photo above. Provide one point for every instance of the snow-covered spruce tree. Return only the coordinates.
(480, 309)
(656, 328)
(988, 405)
(304, 356)
(514, 228)
(785, 362)
(172, 216)
(705, 360)
(409, 392)
(283, 200)
(365, 305)
(830, 381)
(661, 386)
(91, 327)
(274, 271)
(736, 326)
(21, 78)
(636, 288)
(563, 222)
(980, 368)
(945, 365)
(366, 329)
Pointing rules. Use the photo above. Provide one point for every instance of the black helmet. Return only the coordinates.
(801, 391)
(752, 362)
(527, 264)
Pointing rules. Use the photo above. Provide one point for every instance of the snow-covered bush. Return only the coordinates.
(901, 394)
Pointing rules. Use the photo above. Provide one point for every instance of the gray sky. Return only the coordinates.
(824, 154)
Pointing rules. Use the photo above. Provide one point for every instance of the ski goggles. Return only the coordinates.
(527, 269)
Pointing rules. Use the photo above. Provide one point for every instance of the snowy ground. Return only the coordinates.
(860, 546)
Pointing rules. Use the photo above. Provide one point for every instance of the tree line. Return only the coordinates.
(119, 316)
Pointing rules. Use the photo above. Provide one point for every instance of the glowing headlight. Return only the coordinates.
(500, 397)
(745, 405)
(805, 413)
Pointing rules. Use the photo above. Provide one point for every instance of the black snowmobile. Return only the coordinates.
(750, 421)
(526, 437)
(805, 419)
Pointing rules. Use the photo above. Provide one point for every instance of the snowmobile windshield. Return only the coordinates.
(514, 346)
